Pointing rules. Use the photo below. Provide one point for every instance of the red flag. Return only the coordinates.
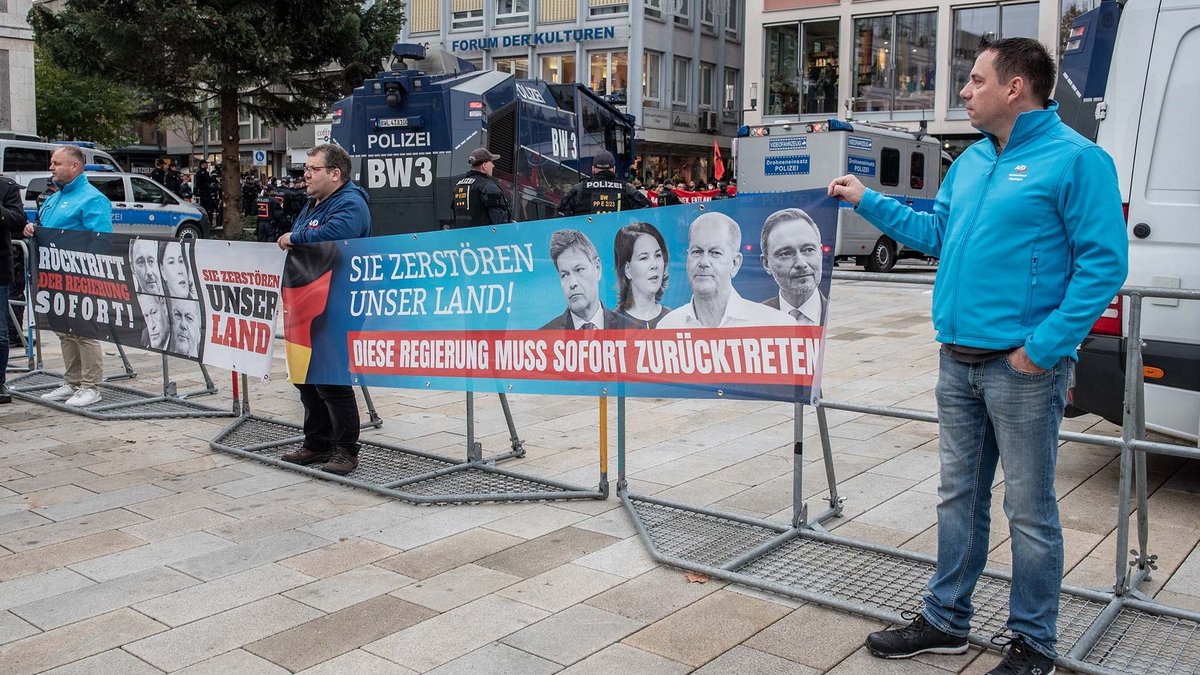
(718, 163)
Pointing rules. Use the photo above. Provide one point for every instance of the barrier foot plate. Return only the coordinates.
(117, 402)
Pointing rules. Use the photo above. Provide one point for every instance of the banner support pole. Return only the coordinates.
(373, 418)
(518, 446)
(604, 446)
(799, 508)
(168, 386)
(622, 486)
(835, 501)
(474, 450)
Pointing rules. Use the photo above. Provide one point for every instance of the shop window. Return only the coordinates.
(889, 167)
(895, 62)
(974, 25)
(819, 67)
(782, 73)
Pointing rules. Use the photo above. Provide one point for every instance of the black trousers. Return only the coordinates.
(330, 417)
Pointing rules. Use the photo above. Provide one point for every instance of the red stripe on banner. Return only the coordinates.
(778, 355)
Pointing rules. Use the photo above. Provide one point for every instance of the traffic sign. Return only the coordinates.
(260, 158)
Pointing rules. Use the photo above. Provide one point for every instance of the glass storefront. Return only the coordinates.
(895, 62)
(819, 65)
(973, 25)
(782, 70)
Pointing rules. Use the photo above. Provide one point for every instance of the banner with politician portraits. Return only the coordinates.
(725, 298)
(209, 301)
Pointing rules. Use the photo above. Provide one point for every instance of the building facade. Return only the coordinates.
(675, 65)
(18, 106)
(898, 62)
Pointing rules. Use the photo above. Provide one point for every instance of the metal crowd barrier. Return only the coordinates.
(1101, 632)
(25, 334)
(118, 402)
(404, 473)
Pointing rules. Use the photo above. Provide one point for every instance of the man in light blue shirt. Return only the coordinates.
(76, 206)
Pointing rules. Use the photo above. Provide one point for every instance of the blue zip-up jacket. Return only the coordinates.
(342, 215)
(77, 206)
(1032, 241)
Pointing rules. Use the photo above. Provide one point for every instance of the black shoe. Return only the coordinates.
(1021, 659)
(304, 456)
(5, 397)
(342, 463)
(918, 637)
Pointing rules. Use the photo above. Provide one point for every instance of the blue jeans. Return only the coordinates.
(989, 412)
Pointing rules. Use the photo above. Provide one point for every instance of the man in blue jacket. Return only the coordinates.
(336, 209)
(76, 206)
(1030, 232)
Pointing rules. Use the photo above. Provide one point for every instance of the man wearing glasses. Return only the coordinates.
(336, 210)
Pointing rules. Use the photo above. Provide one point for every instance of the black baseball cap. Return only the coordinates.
(481, 155)
(604, 160)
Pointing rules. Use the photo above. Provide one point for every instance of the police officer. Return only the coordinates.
(603, 192)
(667, 196)
(478, 199)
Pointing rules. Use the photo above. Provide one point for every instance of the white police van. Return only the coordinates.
(21, 153)
(898, 163)
(1129, 81)
(140, 205)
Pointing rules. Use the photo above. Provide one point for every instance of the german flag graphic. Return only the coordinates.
(306, 279)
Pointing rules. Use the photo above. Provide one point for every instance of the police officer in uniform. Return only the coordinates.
(603, 192)
(478, 199)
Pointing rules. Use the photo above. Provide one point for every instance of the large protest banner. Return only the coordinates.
(674, 302)
(208, 301)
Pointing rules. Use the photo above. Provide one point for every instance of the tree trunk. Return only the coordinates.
(231, 170)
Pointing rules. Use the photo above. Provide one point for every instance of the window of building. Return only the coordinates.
(895, 64)
(555, 11)
(466, 14)
(510, 12)
(733, 93)
(973, 25)
(652, 77)
(558, 68)
(819, 67)
(916, 171)
(424, 16)
(250, 127)
(708, 13)
(654, 8)
(607, 7)
(518, 66)
(707, 83)
(889, 167)
(681, 81)
(683, 13)
(608, 73)
(782, 71)
(732, 19)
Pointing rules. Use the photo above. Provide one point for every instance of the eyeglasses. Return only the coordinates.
(310, 169)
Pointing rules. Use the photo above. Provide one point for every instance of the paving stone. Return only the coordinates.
(627, 558)
(75, 641)
(260, 526)
(560, 587)
(573, 634)
(369, 520)
(111, 662)
(348, 588)
(439, 525)
(198, 480)
(456, 587)
(12, 628)
(34, 587)
(19, 519)
(43, 499)
(66, 553)
(340, 557)
(535, 522)
(54, 533)
(219, 595)
(909, 511)
(614, 523)
(700, 632)
(446, 554)
(261, 483)
(497, 659)
(791, 637)
(180, 503)
(547, 552)
(862, 663)
(448, 636)
(621, 658)
(357, 662)
(165, 552)
(217, 634)
(177, 525)
(654, 595)
(47, 480)
(321, 639)
(121, 481)
(236, 661)
(249, 554)
(745, 661)
(102, 598)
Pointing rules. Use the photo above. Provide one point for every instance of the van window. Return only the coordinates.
(109, 186)
(25, 159)
(145, 192)
(916, 171)
(36, 187)
(104, 159)
(889, 170)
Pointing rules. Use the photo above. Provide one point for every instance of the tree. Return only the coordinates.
(88, 108)
(283, 61)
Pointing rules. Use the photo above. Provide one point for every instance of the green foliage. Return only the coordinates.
(81, 107)
(286, 61)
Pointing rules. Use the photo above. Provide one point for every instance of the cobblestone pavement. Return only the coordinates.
(131, 547)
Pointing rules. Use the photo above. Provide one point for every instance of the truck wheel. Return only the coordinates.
(883, 257)
(188, 230)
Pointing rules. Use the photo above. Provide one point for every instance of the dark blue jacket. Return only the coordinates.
(342, 215)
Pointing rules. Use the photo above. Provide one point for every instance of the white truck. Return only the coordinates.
(1129, 79)
(898, 163)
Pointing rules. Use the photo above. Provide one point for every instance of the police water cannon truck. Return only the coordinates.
(410, 129)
